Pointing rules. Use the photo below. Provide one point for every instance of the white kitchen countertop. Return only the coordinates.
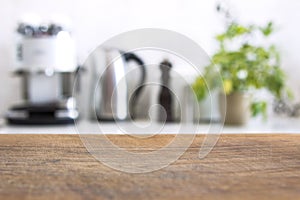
(275, 125)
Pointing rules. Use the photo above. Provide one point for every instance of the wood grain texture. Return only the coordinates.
(239, 167)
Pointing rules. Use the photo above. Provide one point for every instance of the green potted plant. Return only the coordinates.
(244, 65)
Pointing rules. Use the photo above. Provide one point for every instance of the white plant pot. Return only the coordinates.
(235, 108)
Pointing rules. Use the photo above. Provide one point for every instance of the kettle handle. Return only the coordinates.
(133, 100)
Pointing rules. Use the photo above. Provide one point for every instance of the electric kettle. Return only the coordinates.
(110, 92)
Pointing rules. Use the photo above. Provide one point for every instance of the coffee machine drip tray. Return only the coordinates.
(42, 114)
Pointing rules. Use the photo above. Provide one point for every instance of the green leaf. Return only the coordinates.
(235, 30)
(259, 108)
(221, 37)
(268, 29)
(200, 88)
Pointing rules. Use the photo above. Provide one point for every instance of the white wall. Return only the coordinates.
(94, 21)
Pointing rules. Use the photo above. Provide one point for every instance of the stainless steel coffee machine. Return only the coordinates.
(47, 66)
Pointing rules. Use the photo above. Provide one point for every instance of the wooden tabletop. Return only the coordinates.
(239, 167)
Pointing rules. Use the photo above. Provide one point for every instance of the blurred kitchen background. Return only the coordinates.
(94, 21)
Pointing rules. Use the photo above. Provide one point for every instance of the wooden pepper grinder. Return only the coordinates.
(165, 96)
